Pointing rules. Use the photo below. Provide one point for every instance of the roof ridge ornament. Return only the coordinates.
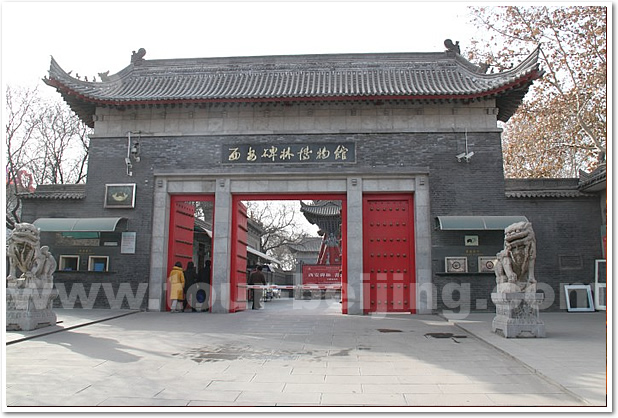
(452, 47)
(138, 57)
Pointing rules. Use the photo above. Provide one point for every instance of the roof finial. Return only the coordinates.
(452, 47)
(138, 56)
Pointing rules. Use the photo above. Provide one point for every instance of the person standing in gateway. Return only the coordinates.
(257, 277)
(190, 280)
(177, 284)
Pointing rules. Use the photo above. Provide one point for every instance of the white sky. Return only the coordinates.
(92, 37)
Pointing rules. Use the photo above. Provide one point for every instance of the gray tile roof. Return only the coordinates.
(544, 188)
(57, 192)
(392, 76)
(546, 194)
(594, 181)
(322, 208)
(309, 244)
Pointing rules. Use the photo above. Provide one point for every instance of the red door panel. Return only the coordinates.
(181, 237)
(388, 254)
(238, 281)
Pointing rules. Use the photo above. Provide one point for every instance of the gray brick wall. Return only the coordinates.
(567, 229)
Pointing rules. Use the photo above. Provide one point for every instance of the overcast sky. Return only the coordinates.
(92, 37)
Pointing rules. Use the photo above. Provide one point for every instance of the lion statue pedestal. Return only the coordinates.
(517, 315)
(516, 300)
(29, 297)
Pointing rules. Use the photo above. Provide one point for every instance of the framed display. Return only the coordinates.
(456, 264)
(98, 263)
(120, 195)
(600, 285)
(486, 264)
(68, 263)
(471, 240)
(578, 298)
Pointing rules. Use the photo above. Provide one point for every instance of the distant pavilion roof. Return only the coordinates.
(308, 244)
(326, 214)
(322, 208)
(426, 77)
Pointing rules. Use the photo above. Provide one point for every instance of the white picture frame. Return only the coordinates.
(68, 262)
(486, 264)
(456, 264)
(600, 285)
(574, 300)
(98, 263)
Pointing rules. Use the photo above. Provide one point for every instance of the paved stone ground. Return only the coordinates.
(574, 354)
(292, 353)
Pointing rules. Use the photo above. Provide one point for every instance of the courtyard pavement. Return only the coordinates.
(302, 353)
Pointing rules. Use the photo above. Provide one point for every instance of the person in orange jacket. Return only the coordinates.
(177, 284)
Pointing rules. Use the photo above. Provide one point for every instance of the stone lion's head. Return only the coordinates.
(518, 231)
(25, 232)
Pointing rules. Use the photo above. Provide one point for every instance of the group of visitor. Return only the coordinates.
(181, 282)
(182, 287)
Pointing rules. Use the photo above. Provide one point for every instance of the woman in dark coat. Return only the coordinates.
(203, 293)
(190, 280)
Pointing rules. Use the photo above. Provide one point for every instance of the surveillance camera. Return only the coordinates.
(465, 156)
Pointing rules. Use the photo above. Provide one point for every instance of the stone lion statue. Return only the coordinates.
(36, 263)
(514, 266)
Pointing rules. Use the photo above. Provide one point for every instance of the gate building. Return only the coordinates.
(409, 143)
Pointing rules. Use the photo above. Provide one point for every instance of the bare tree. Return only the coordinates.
(282, 225)
(45, 142)
(562, 126)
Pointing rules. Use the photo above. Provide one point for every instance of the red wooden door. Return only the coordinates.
(388, 254)
(238, 279)
(180, 246)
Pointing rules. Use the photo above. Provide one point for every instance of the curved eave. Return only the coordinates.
(508, 88)
(85, 106)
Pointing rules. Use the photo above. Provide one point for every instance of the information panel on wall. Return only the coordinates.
(127, 245)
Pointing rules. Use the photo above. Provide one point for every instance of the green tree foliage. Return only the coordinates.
(562, 125)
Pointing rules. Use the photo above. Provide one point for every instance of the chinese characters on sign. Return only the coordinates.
(290, 153)
(321, 274)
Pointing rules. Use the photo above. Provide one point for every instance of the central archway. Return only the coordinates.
(239, 231)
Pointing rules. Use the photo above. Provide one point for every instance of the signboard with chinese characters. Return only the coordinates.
(321, 274)
(335, 152)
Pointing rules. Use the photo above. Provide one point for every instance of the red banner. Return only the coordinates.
(321, 274)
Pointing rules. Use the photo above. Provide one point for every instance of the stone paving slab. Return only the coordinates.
(309, 356)
(573, 355)
(68, 319)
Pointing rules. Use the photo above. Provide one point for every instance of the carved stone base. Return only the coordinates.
(29, 309)
(517, 315)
